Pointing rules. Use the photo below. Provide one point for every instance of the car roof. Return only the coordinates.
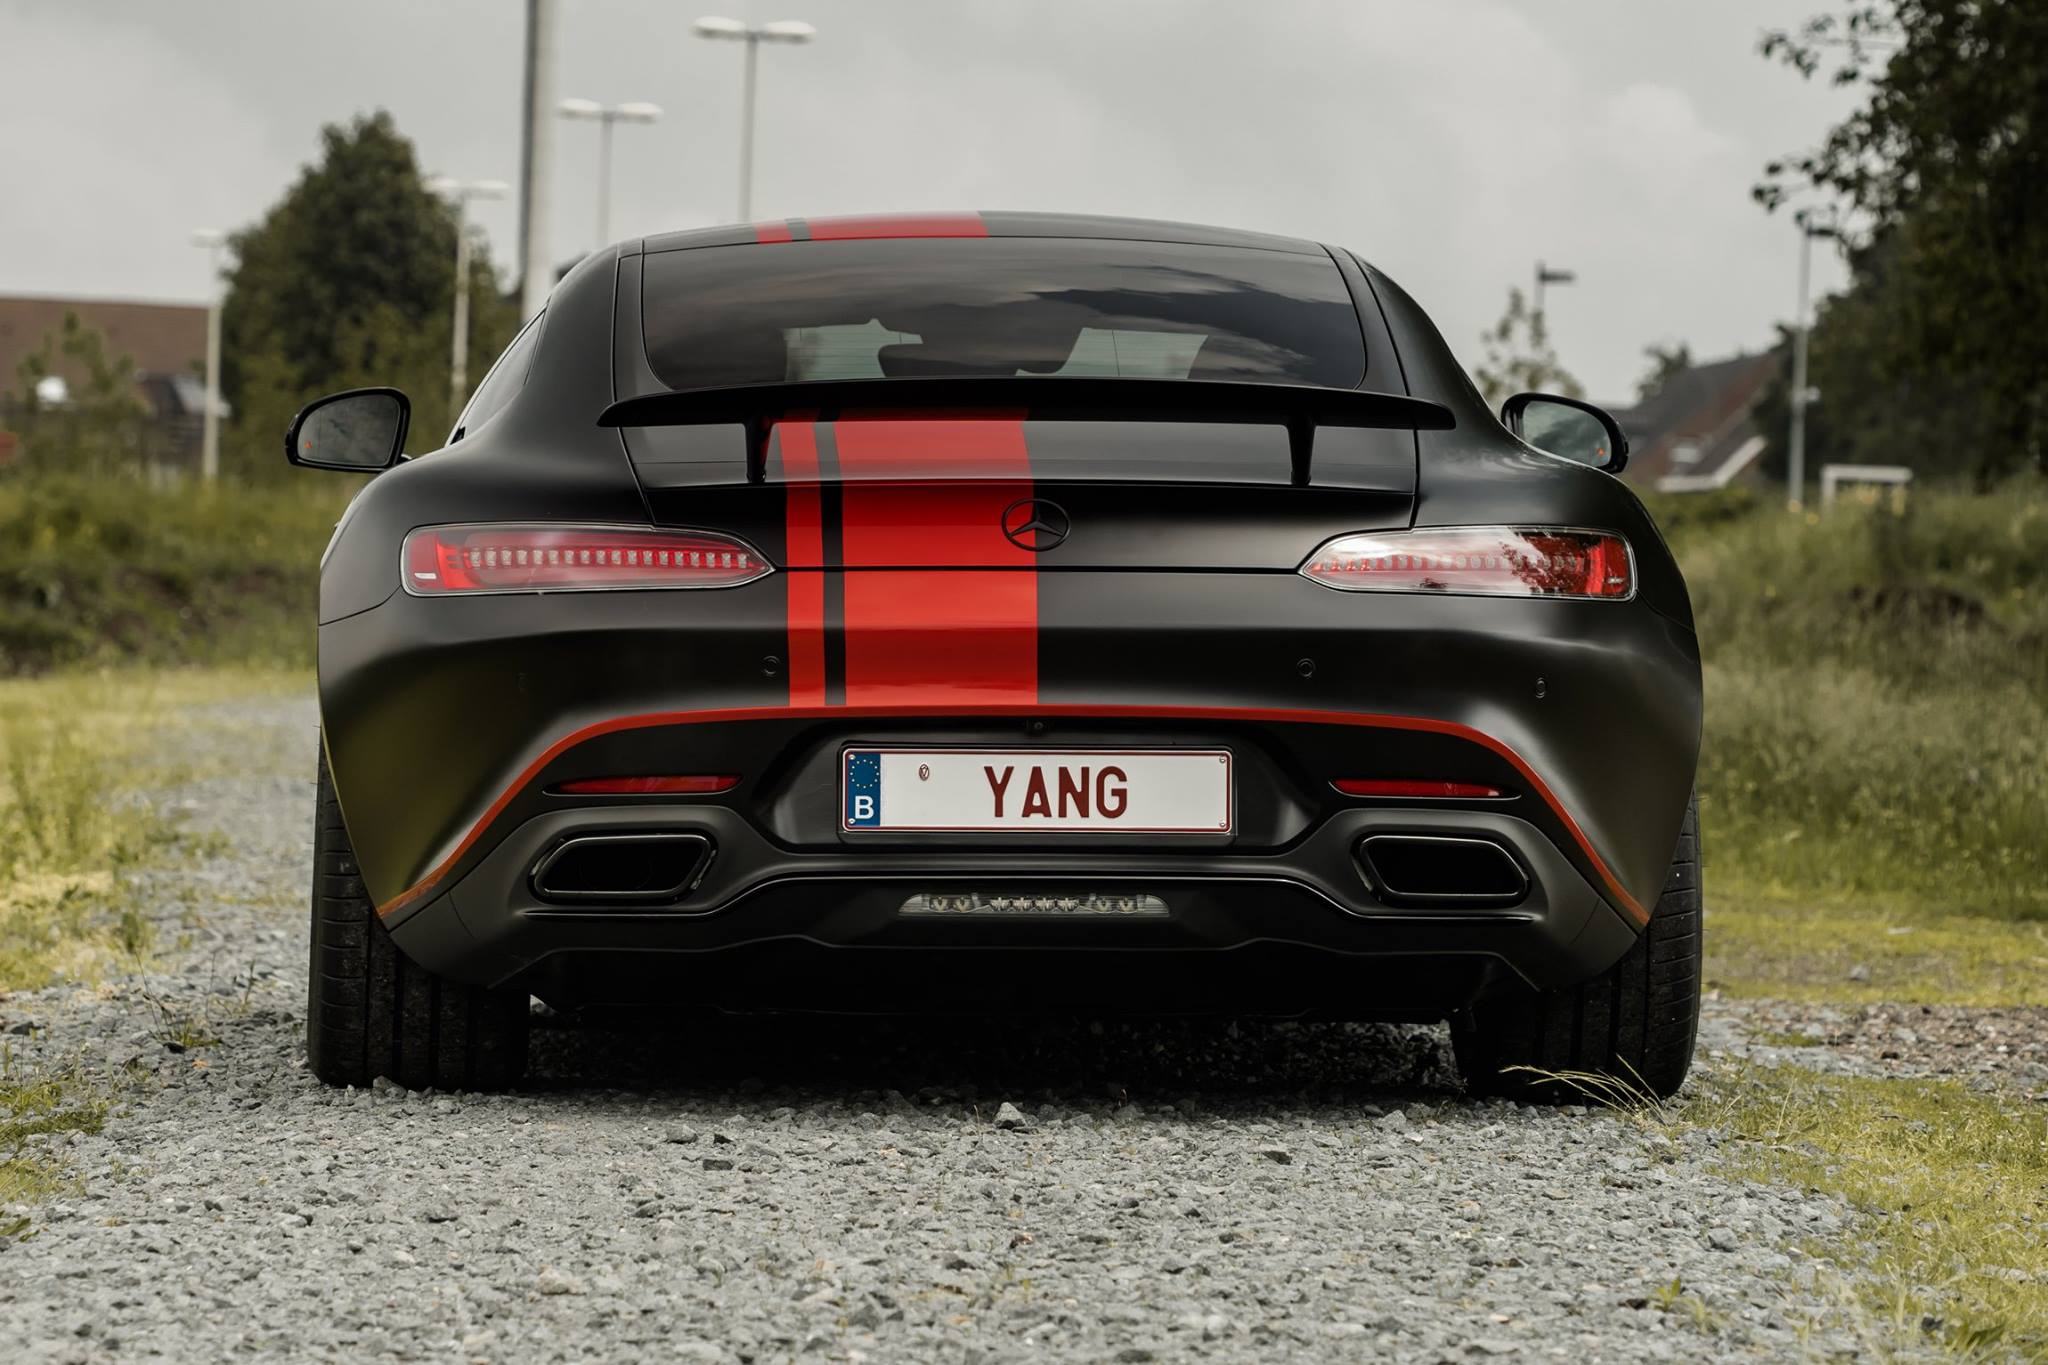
(971, 224)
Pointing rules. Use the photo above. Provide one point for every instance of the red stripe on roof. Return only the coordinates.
(860, 227)
(773, 232)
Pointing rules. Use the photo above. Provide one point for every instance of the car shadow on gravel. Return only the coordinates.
(1080, 1062)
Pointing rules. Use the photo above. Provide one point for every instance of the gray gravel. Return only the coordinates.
(777, 1190)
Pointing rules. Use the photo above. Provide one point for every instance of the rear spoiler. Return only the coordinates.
(1301, 408)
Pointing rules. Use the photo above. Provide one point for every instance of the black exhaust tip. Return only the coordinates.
(652, 868)
(1442, 870)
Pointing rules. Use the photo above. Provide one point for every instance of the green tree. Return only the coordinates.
(1518, 358)
(98, 425)
(349, 279)
(1941, 184)
(1665, 361)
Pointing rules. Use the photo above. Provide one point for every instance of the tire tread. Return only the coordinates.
(1637, 1021)
(371, 1011)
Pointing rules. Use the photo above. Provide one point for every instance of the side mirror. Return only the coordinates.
(1566, 426)
(359, 431)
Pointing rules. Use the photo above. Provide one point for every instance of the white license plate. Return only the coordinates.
(1052, 791)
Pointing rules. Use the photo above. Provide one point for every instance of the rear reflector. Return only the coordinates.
(648, 786)
(1372, 786)
(439, 560)
(1497, 561)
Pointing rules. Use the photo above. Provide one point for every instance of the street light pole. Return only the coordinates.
(1795, 445)
(606, 116)
(536, 165)
(461, 192)
(1546, 275)
(781, 31)
(747, 129)
(213, 239)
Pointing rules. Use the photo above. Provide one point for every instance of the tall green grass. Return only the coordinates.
(1877, 711)
(114, 570)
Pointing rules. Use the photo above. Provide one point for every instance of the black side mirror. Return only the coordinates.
(359, 431)
(1569, 427)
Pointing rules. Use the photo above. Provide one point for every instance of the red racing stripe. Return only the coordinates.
(940, 606)
(804, 549)
(931, 493)
(419, 890)
(773, 232)
(942, 637)
(862, 227)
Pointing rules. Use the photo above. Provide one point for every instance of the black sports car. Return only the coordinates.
(986, 612)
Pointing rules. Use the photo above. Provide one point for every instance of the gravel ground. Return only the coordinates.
(776, 1190)
(1999, 1047)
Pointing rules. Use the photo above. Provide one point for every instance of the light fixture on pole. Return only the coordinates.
(606, 115)
(460, 192)
(1795, 446)
(214, 241)
(733, 30)
(1546, 275)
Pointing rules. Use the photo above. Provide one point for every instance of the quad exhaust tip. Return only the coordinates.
(650, 868)
(1442, 870)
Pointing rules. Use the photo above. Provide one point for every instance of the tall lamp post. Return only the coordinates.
(1545, 275)
(733, 30)
(536, 159)
(214, 241)
(1802, 394)
(460, 192)
(607, 115)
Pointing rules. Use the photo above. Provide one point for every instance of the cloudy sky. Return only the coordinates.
(1451, 142)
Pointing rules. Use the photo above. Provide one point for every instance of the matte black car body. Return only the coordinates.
(1169, 614)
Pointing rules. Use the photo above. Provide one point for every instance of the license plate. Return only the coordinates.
(1039, 791)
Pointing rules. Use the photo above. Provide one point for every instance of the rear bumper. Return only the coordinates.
(450, 722)
(1302, 930)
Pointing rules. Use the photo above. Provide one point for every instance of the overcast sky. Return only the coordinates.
(1451, 142)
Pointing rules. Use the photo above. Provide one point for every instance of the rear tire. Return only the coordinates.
(1636, 1022)
(371, 1011)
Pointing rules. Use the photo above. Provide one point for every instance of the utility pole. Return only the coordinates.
(536, 161)
(1802, 394)
(213, 240)
(461, 192)
(1546, 275)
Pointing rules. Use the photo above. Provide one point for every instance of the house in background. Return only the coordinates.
(167, 342)
(1699, 430)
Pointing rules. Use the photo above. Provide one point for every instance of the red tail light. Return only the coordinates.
(1372, 786)
(648, 786)
(470, 559)
(1496, 561)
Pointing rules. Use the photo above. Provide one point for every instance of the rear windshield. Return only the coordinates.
(997, 306)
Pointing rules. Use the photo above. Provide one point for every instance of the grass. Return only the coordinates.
(1952, 1185)
(1874, 775)
(31, 1105)
(77, 752)
(111, 571)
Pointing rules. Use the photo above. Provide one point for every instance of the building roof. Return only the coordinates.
(161, 338)
(1698, 430)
